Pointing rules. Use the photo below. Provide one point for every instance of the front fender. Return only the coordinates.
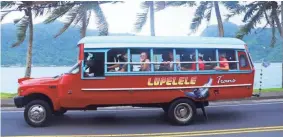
(51, 94)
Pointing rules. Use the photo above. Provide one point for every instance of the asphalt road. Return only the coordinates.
(252, 119)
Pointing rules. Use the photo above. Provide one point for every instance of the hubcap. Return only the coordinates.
(183, 112)
(36, 113)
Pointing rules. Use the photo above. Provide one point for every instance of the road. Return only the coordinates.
(248, 119)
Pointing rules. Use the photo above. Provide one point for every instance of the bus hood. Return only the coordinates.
(35, 80)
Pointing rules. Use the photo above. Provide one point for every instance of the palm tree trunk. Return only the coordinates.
(219, 20)
(29, 51)
(83, 29)
(152, 29)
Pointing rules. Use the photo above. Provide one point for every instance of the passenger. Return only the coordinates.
(222, 65)
(122, 67)
(200, 63)
(145, 66)
(166, 64)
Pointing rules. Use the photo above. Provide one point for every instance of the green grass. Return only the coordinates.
(270, 90)
(7, 95)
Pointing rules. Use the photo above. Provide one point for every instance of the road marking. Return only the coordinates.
(180, 134)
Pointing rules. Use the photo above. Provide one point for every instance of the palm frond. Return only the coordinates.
(3, 15)
(255, 19)
(208, 13)
(81, 13)
(251, 10)
(71, 15)
(57, 13)
(199, 15)
(7, 4)
(180, 3)
(273, 38)
(142, 17)
(110, 2)
(159, 5)
(21, 31)
(100, 19)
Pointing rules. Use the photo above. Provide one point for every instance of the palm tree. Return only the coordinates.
(150, 7)
(80, 13)
(262, 10)
(24, 23)
(204, 11)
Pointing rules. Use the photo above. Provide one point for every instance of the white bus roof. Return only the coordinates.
(161, 42)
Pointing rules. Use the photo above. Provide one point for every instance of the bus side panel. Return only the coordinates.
(159, 88)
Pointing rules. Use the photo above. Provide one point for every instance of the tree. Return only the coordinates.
(80, 13)
(258, 11)
(204, 11)
(30, 8)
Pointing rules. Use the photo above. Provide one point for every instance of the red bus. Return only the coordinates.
(177, 74)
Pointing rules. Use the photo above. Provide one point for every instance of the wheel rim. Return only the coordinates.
(183, 112)
(37, 113)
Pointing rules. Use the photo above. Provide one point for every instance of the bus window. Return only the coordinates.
(208, 56)
(243, 61)
(117, 60)
(164, 59)
(187, 60)
(140, 59)
(230, 55)
(93, 64)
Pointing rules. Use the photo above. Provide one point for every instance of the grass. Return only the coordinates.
(7, 95)
(11, 95)
(270, 90)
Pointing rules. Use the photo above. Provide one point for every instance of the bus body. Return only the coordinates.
(92, 83)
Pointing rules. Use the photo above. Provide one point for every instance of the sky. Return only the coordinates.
(173, 21)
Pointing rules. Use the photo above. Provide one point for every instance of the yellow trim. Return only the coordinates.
(180, 134)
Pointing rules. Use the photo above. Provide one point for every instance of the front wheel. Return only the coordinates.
(37, 113)
(182, 112)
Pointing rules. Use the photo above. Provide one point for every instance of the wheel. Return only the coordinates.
(182, 112)
(37, 113)
(60, 112)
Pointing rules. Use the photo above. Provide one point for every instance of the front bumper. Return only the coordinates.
(19, 101)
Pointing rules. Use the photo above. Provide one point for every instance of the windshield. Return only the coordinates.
(74, 69)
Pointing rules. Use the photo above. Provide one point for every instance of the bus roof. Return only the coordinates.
(161, 42)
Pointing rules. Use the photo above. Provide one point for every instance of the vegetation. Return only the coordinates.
(270, 90)
(7, 95)
(79, 13)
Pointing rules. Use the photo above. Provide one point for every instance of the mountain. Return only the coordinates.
(47, 50)
(258, 41)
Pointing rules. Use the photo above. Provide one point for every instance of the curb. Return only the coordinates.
(244, 99)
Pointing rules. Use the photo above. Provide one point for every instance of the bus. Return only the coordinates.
(179, 74)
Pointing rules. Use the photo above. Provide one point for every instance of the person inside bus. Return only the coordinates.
(222, 65)
(145, 66)
(166, 64)
(200, 63)
(121, 67)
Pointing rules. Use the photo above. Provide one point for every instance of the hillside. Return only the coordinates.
(258, 43)
(47, 50)
(62, 51)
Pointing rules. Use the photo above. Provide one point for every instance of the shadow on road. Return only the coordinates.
(156, 117)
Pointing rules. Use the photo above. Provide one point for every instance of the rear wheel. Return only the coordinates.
(37, 113)
(182, 112)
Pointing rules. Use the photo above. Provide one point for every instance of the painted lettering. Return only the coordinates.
(174, 83)
(169, 81)
(163, 81)
(149, 83)
(223, 81)
(181, 81)
(156, 81)
(187, 81)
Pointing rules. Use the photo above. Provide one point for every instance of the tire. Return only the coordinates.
(60, 112)
(42, 113)
(188, 112)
